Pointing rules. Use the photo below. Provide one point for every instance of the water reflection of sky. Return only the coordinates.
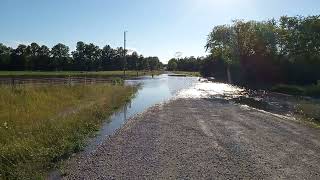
(151, 91)
(157, 90)
(162, 88)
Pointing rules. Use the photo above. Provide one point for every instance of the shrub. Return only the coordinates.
(289, 89)
(309, 110)
(313, 91)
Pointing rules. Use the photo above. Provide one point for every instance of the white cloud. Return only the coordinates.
(14, 43)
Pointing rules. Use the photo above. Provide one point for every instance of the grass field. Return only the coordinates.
(105, 74)
(195, 74)
(40, 125)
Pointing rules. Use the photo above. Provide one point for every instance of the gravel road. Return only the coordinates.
(204, 139)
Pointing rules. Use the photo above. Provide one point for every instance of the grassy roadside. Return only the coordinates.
(40, 125)
(193, 74)
(309, 112)
(311, 90)
(305, 110)
(105, 74)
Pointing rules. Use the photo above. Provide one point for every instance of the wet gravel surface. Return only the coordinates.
(203, 139)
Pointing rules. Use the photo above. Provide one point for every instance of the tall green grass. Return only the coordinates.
(309, 110)
(40, 125)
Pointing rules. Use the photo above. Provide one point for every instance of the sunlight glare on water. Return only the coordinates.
(160, 89)
(207, 90)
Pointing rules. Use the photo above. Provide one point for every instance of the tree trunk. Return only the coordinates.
(229, 75)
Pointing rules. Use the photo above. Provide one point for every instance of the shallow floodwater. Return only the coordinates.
(210, 90)
(151, 91)
(157, 90)
(162, 88)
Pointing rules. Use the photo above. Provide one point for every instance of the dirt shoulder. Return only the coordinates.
(202, 139)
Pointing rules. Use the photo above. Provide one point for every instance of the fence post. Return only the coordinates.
(69, 80)
(13, 83)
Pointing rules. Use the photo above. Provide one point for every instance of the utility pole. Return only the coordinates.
(124, 54)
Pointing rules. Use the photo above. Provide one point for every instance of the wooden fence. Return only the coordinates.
(69, 80)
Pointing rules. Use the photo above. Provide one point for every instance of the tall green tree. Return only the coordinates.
(92, 57)
(79, 59)
(221, 43)
(43, 62)
(5, 57)
(172, 65)
(32, 56)
(269, 51)
(18, 58)
(108, 55)
(60, 56)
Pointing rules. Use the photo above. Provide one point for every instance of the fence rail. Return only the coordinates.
(69, 80)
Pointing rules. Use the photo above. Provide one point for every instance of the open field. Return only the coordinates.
(40, 125)
(105, 74)
(188, 73)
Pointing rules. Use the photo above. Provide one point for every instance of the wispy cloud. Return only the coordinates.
(14, 43)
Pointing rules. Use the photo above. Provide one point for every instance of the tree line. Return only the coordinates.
(86, 57)
(266, 52)
(185, 64)
(274, 51)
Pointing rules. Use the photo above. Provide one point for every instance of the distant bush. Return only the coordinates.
(289, 89)
(312, 90)
(117, 81)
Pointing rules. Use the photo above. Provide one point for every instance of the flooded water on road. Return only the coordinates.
(151, 91)
(162, 88)
(210, 89)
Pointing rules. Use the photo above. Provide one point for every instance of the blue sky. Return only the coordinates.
(155, 27)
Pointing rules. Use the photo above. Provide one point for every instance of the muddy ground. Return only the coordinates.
(204, 139)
